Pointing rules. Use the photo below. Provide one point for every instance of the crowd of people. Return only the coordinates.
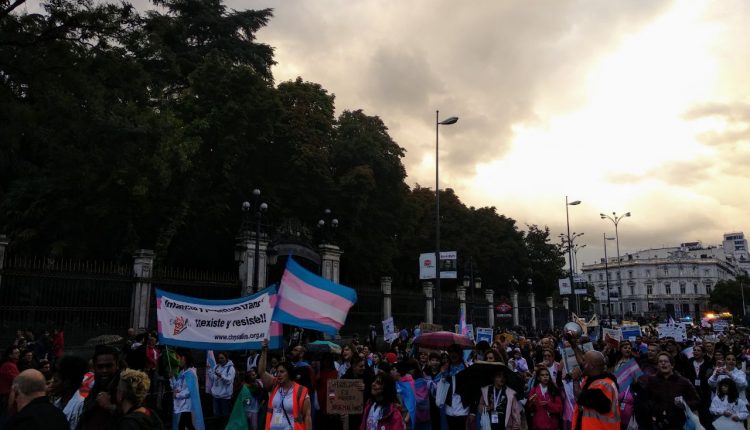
(648, 382)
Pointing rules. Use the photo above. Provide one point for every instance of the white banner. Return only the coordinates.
(233, 324)
(448, 265)
(678, 331)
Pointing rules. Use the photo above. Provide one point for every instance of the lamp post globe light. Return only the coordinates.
(448, 121)
(616, 221)
(258, 208)
(329, 221)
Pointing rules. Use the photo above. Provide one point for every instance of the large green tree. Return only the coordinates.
(728, 294)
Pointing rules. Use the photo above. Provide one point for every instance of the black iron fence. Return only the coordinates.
(85, 298)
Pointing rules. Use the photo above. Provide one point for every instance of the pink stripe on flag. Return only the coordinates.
(158, 303)
(306, 313)
(276, 329)
(289, 280)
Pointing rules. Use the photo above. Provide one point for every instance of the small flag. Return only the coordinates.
(462, 328)
(309, 301)
(210, 367)
(237, 419)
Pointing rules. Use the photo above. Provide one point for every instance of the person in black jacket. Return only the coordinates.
(698, 371)
(29, 394)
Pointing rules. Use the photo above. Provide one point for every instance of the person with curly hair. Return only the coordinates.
(131, 396)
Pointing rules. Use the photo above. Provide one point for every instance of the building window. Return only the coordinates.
(631, 290)
(630, 274)
(682, 288)
(666, 270)
(632, 306)
(707, 272)
(708, 289)
(695, 288)
(667, 288)
(601, 276)
(648, 273)
(589, 277)
(649, 289)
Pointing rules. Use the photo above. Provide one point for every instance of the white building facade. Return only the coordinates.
(675, 280)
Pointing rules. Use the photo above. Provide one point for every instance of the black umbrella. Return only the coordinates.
(470, 380)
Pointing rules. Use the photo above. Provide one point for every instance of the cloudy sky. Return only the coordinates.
(640, 106)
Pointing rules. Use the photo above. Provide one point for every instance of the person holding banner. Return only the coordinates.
(289, 406)
(188, 414)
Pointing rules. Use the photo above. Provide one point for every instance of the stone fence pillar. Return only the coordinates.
(551, 313)
(385, 287)
(245, 255)
(330, 262)
(140, 303)
(532, 302)
(461, 294)
(514, 302)
(428, 290)
(489, 294)
(3, 246)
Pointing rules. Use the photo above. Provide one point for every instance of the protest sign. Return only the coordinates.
(344, 397)
(612, 336)
(222, 325)
(630, 332)
(484, 334)
(469, 330)
(389, 330)
(720, 326)
(569, 359)
(586, 347)
(677, 331)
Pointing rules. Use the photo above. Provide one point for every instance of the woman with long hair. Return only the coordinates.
(289, 405)
(382, 411)
(544, 403)
(728, 403)
(187, 405)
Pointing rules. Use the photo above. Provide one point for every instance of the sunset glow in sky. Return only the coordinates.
(628, 106)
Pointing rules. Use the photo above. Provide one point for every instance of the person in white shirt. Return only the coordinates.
(729, 370)
(728, 403)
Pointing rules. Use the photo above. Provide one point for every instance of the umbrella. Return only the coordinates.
(443, 340)
(481, 373)
(323, 346)
(105, 339)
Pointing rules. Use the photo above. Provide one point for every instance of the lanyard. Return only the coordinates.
(497, 395)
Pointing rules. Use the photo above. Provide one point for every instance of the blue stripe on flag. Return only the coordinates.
(274, 342)
(319, 282)
(287, 318)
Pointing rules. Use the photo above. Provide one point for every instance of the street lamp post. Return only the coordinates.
(258, 208)
(472, 283)
(606, 277)
(331, 222)
(570, 247)
(616, 221)
(438, 123)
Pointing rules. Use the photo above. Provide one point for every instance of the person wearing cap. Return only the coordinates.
(457, 414)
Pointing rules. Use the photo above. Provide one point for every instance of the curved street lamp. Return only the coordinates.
(448, 121)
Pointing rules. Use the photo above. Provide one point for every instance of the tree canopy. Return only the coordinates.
(124, 129)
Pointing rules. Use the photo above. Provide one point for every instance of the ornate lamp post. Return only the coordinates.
(438, 123)
(257, 208)
(616, 220)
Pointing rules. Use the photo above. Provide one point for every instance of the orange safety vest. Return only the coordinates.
(591, 419)
(298, 397)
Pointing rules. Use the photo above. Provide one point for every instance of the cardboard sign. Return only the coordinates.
(720, 326)
(344, 397)
(430, 328)
(569, 359)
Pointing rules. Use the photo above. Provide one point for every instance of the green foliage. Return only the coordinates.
(123, 130)
(727, 294)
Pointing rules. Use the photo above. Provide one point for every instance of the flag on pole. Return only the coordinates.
(210, 367)
(309, 301)
(237, 419)
(462, 328)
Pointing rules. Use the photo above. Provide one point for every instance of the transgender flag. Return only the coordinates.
(306, 300)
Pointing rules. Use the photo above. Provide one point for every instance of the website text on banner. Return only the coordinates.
(309, 301)
(220, 325)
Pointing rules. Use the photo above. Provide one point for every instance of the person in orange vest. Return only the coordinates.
(289, 403)
(596, 405)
